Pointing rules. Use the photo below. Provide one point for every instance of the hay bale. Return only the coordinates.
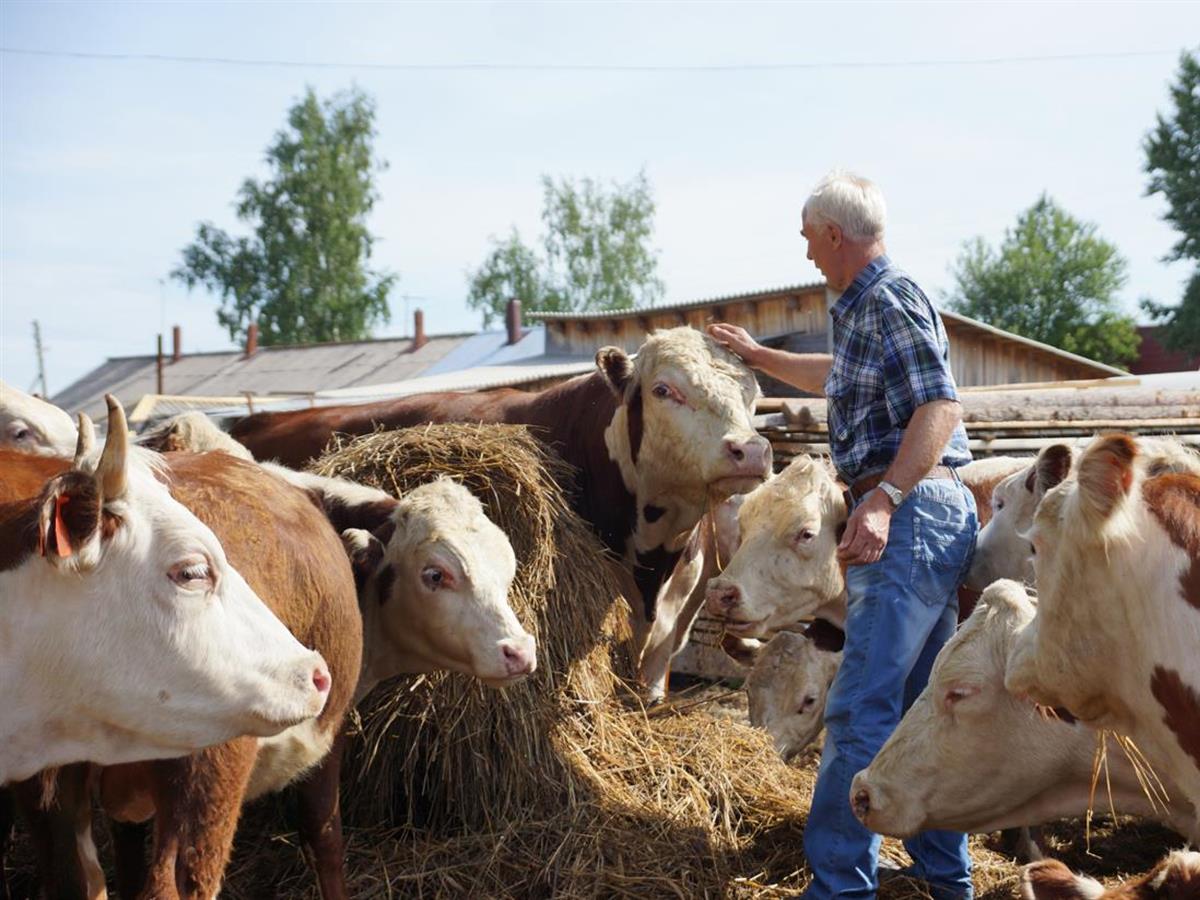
(444, 750)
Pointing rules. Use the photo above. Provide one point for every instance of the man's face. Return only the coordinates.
(824, 241)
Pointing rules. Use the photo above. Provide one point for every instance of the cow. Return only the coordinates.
(1002, 550)
(786, 566)
(1177, 877)
(789, 682)
(32, 425)
(131, 633)
(971, 756)
(1117, 562)
(654, 441)
(431, 582)
(194, 432)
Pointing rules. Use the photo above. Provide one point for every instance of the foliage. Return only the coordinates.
(596, 253)
(1173, 164)
(1051, 279)
(302, 274)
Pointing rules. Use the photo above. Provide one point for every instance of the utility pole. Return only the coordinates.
(41, 359)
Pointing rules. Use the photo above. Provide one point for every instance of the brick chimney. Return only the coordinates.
(512, 319)
(419, 338)
(176, 343)
(252, 339)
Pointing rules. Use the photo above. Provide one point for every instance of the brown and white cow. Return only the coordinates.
(32, 425)
(128, 631)
(654, 440)
(970, 756)
(1117, 560)
(1003, 550)
(1177, 877)
(789, 683)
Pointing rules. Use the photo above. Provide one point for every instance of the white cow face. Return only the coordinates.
(786, 568)
(787, 689)
(967, 753)
(437, 589)
(32, 425)
(131, 634)
(683, 435)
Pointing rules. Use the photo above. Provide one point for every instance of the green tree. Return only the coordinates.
(596, 253)
(1051, 279)
(302, 274)
(1173, 164)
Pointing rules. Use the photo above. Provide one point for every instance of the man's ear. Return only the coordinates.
(617, 368)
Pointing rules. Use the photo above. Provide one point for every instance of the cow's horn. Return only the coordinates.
(86, 442)
(110, 473)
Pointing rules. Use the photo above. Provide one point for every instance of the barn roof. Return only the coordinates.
(292, 370)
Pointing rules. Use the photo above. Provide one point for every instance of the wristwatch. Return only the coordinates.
(894, 494)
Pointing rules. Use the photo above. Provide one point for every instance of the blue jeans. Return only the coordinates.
(901, 610)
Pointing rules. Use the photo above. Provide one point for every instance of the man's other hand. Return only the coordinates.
(866, 532)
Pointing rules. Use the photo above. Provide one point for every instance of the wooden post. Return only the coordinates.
(158, 368)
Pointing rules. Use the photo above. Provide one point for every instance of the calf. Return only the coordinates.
(789, 682)
(1177, 877)
(1117, 560)
(129, 631)
(970, 756)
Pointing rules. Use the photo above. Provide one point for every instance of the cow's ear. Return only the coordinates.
(1106, 474)
(69, 519)
(365, 552)
(617, 368)
(1052, 466)
(743, 651)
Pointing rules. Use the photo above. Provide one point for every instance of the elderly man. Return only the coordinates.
(896, 438)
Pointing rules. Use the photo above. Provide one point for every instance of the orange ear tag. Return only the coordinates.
(61, 536)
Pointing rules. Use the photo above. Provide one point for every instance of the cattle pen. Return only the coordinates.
(567, 786)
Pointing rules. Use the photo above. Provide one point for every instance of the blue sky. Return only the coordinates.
(107, 165)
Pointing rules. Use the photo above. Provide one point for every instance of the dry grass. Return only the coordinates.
(564, 787)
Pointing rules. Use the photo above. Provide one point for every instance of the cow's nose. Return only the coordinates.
(518, 659)
(724, 598)
(749, 455)
(321, 679)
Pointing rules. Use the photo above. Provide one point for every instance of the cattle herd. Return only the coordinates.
(187, 618)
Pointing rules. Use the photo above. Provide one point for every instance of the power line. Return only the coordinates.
(580, 67)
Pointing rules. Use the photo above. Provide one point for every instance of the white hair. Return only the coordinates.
(849, 201)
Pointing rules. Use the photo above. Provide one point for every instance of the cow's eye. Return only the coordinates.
(193, 574)
(435, 577)
(957, 694)
(1033, 550)
(807, 703)
(805, 536)
(998, 504)
(664, 391)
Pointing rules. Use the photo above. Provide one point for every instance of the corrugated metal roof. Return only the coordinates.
(674, 307)
(304, 369)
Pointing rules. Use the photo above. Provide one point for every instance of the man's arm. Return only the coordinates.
(806, 371)
(927, 433)
(920, 449)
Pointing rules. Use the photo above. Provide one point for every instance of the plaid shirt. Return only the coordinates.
(890, 355)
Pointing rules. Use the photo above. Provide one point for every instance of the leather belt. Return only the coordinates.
(859, 489)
